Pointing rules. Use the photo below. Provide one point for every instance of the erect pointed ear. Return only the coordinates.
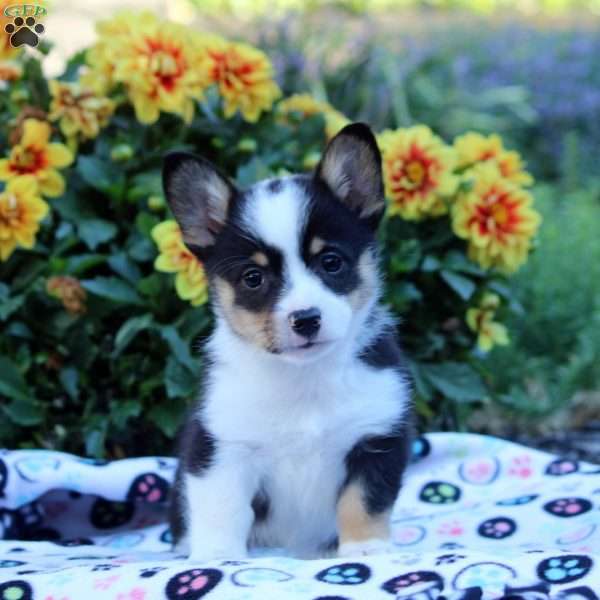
(199, 196)
(351, 168)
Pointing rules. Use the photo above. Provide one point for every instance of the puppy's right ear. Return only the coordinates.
(199, 196)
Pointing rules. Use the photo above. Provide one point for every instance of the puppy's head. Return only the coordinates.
(291, 261)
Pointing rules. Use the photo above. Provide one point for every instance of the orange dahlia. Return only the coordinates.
(497, 218)
(244, 76)
(417, 171)
(472, 148)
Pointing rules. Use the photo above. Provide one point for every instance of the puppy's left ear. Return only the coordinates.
(351, 169)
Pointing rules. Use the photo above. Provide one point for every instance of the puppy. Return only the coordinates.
(301, 434)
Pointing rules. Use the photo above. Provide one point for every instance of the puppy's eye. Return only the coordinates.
(331, 262)
(252, 278)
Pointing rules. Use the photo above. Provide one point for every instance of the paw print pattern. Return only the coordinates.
(148, 487)
(104, 567)
(440, 492)
(254, 576)
(521, 467)
(575, 593)
(422, 583)
(564, 568)
(497, 528)
(345, 574)
(561, 466)
(192, 584)
(453, 528)
(568, 507)
(24, 31)
(518, 501)
(151, 571)
(107, 515)
(15, 590)
(72, 542)
(480, 471)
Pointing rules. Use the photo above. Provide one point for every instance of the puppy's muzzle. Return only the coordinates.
(306, 323)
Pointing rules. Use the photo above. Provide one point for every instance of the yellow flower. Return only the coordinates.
(174, 257)
(481, 321)
(244, 76)
(35, 155)
(69, 291)
(306, 105)
(79, 110)
(472, 148)
(497, 219)
(21, 210)
(162, 65)
(417, 171)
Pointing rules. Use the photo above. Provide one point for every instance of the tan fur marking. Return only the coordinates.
(256, 327)
(355, 524)
(260, 258)
(367, 289)
(316, 245)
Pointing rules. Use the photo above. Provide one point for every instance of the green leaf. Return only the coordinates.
(168, 416)
(69, 378)
(178, 346)
(179, 380)
(80, 263)
(10, 305)
(457, 261)
(99, 174)
(129, 330)
(463, 286)
(12, 383)
(121, 412)
(95, 232)
(431, 263)
(125, 267)
(112, 288)
(457, 381)
(23, 412)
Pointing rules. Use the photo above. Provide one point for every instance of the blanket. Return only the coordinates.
(478, 517)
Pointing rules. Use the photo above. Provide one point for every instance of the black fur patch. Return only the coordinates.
(378, 464)
(197, 448)
(275, 186)
(383, 353)
(342, 232)
(260, 506)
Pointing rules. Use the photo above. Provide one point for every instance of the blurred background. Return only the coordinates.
(528, 70)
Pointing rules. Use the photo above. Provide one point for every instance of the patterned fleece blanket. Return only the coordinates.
(478, 518)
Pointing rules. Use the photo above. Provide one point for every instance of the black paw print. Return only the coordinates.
(15, 589)
(24, 31)
(497, 528)
(345, 574)
(448, 559)
(148, 487)
(440, 492)
(564, 568)
(192, 584)
(151, 571)
(3, 477)
(568, 507)
(423, 581)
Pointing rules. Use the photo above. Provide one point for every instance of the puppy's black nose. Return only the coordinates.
(306, 322)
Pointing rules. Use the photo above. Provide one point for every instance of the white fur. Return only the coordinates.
(285, 423)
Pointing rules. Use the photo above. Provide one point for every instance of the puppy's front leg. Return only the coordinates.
(375, 469)
(219, 508)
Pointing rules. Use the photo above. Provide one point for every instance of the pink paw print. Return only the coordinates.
(453, 528)
(106, 583)
(568, 507)
(192, 584)
(521, 467)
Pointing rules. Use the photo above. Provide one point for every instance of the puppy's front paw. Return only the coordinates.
(365, 548)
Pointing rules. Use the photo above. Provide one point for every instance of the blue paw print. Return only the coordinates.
(564, 569)
(345, 574)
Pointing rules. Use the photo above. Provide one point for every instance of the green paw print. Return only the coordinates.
(440, 492)
(15, 590)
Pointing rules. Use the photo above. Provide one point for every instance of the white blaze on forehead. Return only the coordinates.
(278, 218)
